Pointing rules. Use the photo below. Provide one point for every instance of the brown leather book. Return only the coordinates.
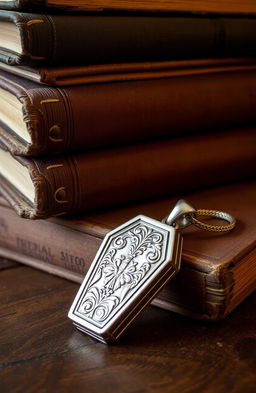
(120, 72)
(208, 6)
(67, 39)
(217, 271)
(188, 97)
(58, 185)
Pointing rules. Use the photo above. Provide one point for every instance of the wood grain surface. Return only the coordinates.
(41, 351)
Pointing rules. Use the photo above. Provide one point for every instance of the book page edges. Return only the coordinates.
(17, 175)
(12, 116)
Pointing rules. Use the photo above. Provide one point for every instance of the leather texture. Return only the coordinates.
(106, 114)
(48, 38)
(199, 6)
(217, 271)
(101, 73)
(107, 178)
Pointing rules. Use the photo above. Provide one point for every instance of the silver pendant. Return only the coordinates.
(132, 265)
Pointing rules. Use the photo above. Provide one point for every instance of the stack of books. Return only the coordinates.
(99, 111)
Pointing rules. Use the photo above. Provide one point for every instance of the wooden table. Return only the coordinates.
(42, 352)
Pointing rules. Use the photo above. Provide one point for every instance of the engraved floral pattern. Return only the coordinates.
(126, 262)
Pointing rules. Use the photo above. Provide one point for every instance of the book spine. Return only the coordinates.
(37, 35)
(68, 119)
(68, 253)
(48, 118)
(107, 178)
(49, 38)
(47, 242)
(57, 186)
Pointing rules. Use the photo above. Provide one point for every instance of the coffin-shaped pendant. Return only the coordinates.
(132, 265)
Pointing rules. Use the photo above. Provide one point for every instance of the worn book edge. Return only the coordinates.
(222, 289)
(202, 7)
(218, 303)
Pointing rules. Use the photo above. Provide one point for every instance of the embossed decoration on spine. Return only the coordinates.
(128, 260)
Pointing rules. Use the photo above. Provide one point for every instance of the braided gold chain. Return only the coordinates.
(212, 213)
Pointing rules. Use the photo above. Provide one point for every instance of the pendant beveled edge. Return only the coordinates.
(158, 286)
(106, 237)
(105, 334)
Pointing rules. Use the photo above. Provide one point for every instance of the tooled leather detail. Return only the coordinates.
(37, 35)
(60, 195)
(26, 34)
(46, 183)
(69, 119)
(76, 189)
(30, 39)
(56, 187)
(47, 115)
(41, 39)
(54, 166)
(55, 134)
(47, 120)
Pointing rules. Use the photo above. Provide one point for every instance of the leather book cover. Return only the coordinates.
(106, 38)
(188, 98)
(120, 72)
(217, 272)
(206, 6)
(58, 185)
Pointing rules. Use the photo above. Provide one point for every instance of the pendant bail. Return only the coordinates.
(178, 216)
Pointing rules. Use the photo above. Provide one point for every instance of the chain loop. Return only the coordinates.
(212, 213)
